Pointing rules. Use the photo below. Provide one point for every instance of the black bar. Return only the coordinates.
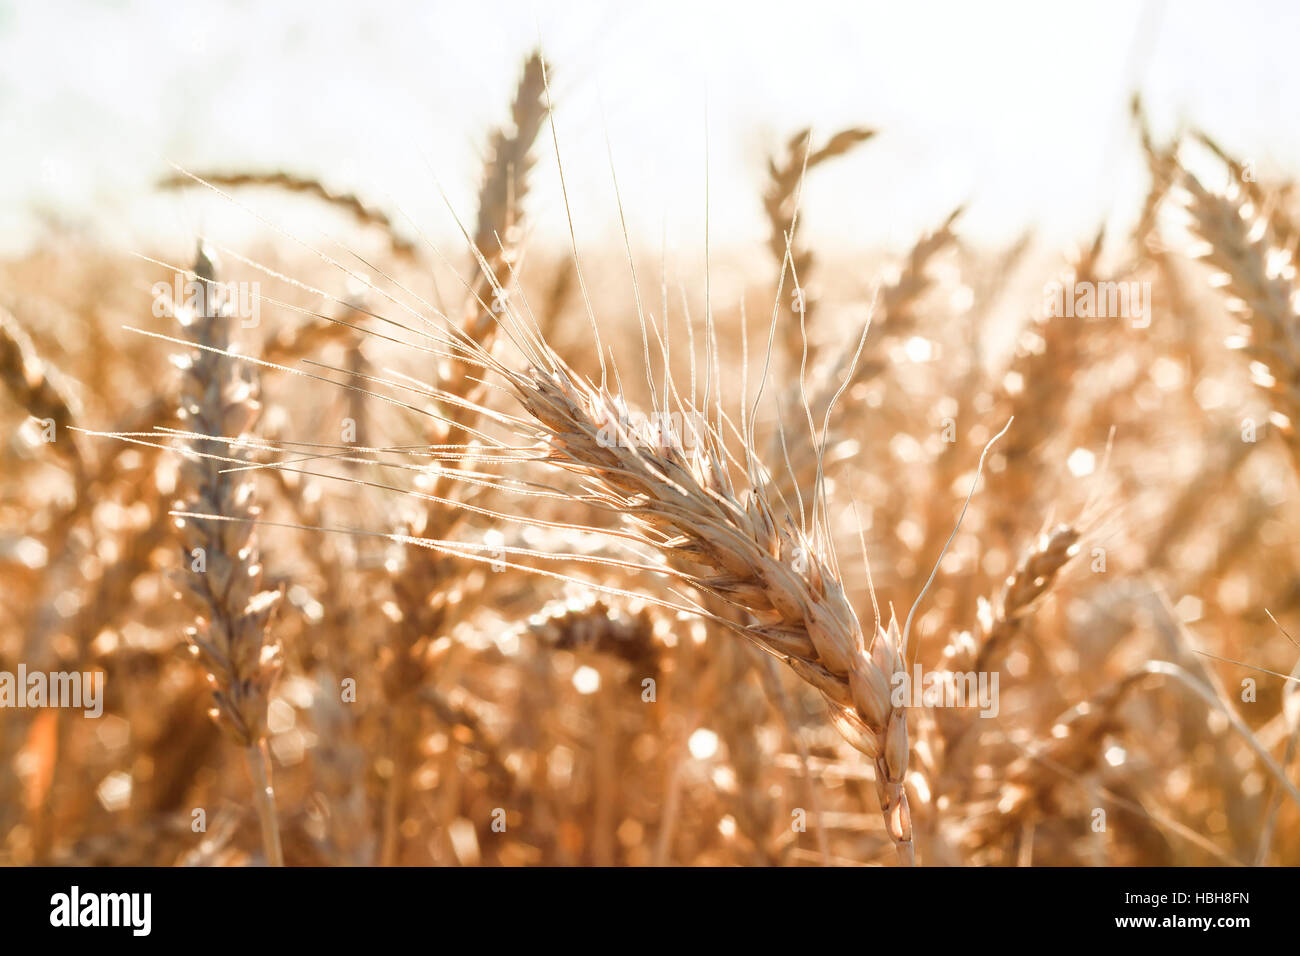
(436, 906)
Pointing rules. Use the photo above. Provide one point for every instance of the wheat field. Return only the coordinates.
(485, 549)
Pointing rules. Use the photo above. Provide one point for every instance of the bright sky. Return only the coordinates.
(1018, 108)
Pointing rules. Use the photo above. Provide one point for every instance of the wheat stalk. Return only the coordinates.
(426, 587)
(231, 635)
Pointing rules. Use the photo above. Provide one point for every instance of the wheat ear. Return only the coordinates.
(858, 361)
(729, 544)
(1241, 244)
(354, 206)
(781, 203)
(1002, 620)
(35, 385)
(1036, 390)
